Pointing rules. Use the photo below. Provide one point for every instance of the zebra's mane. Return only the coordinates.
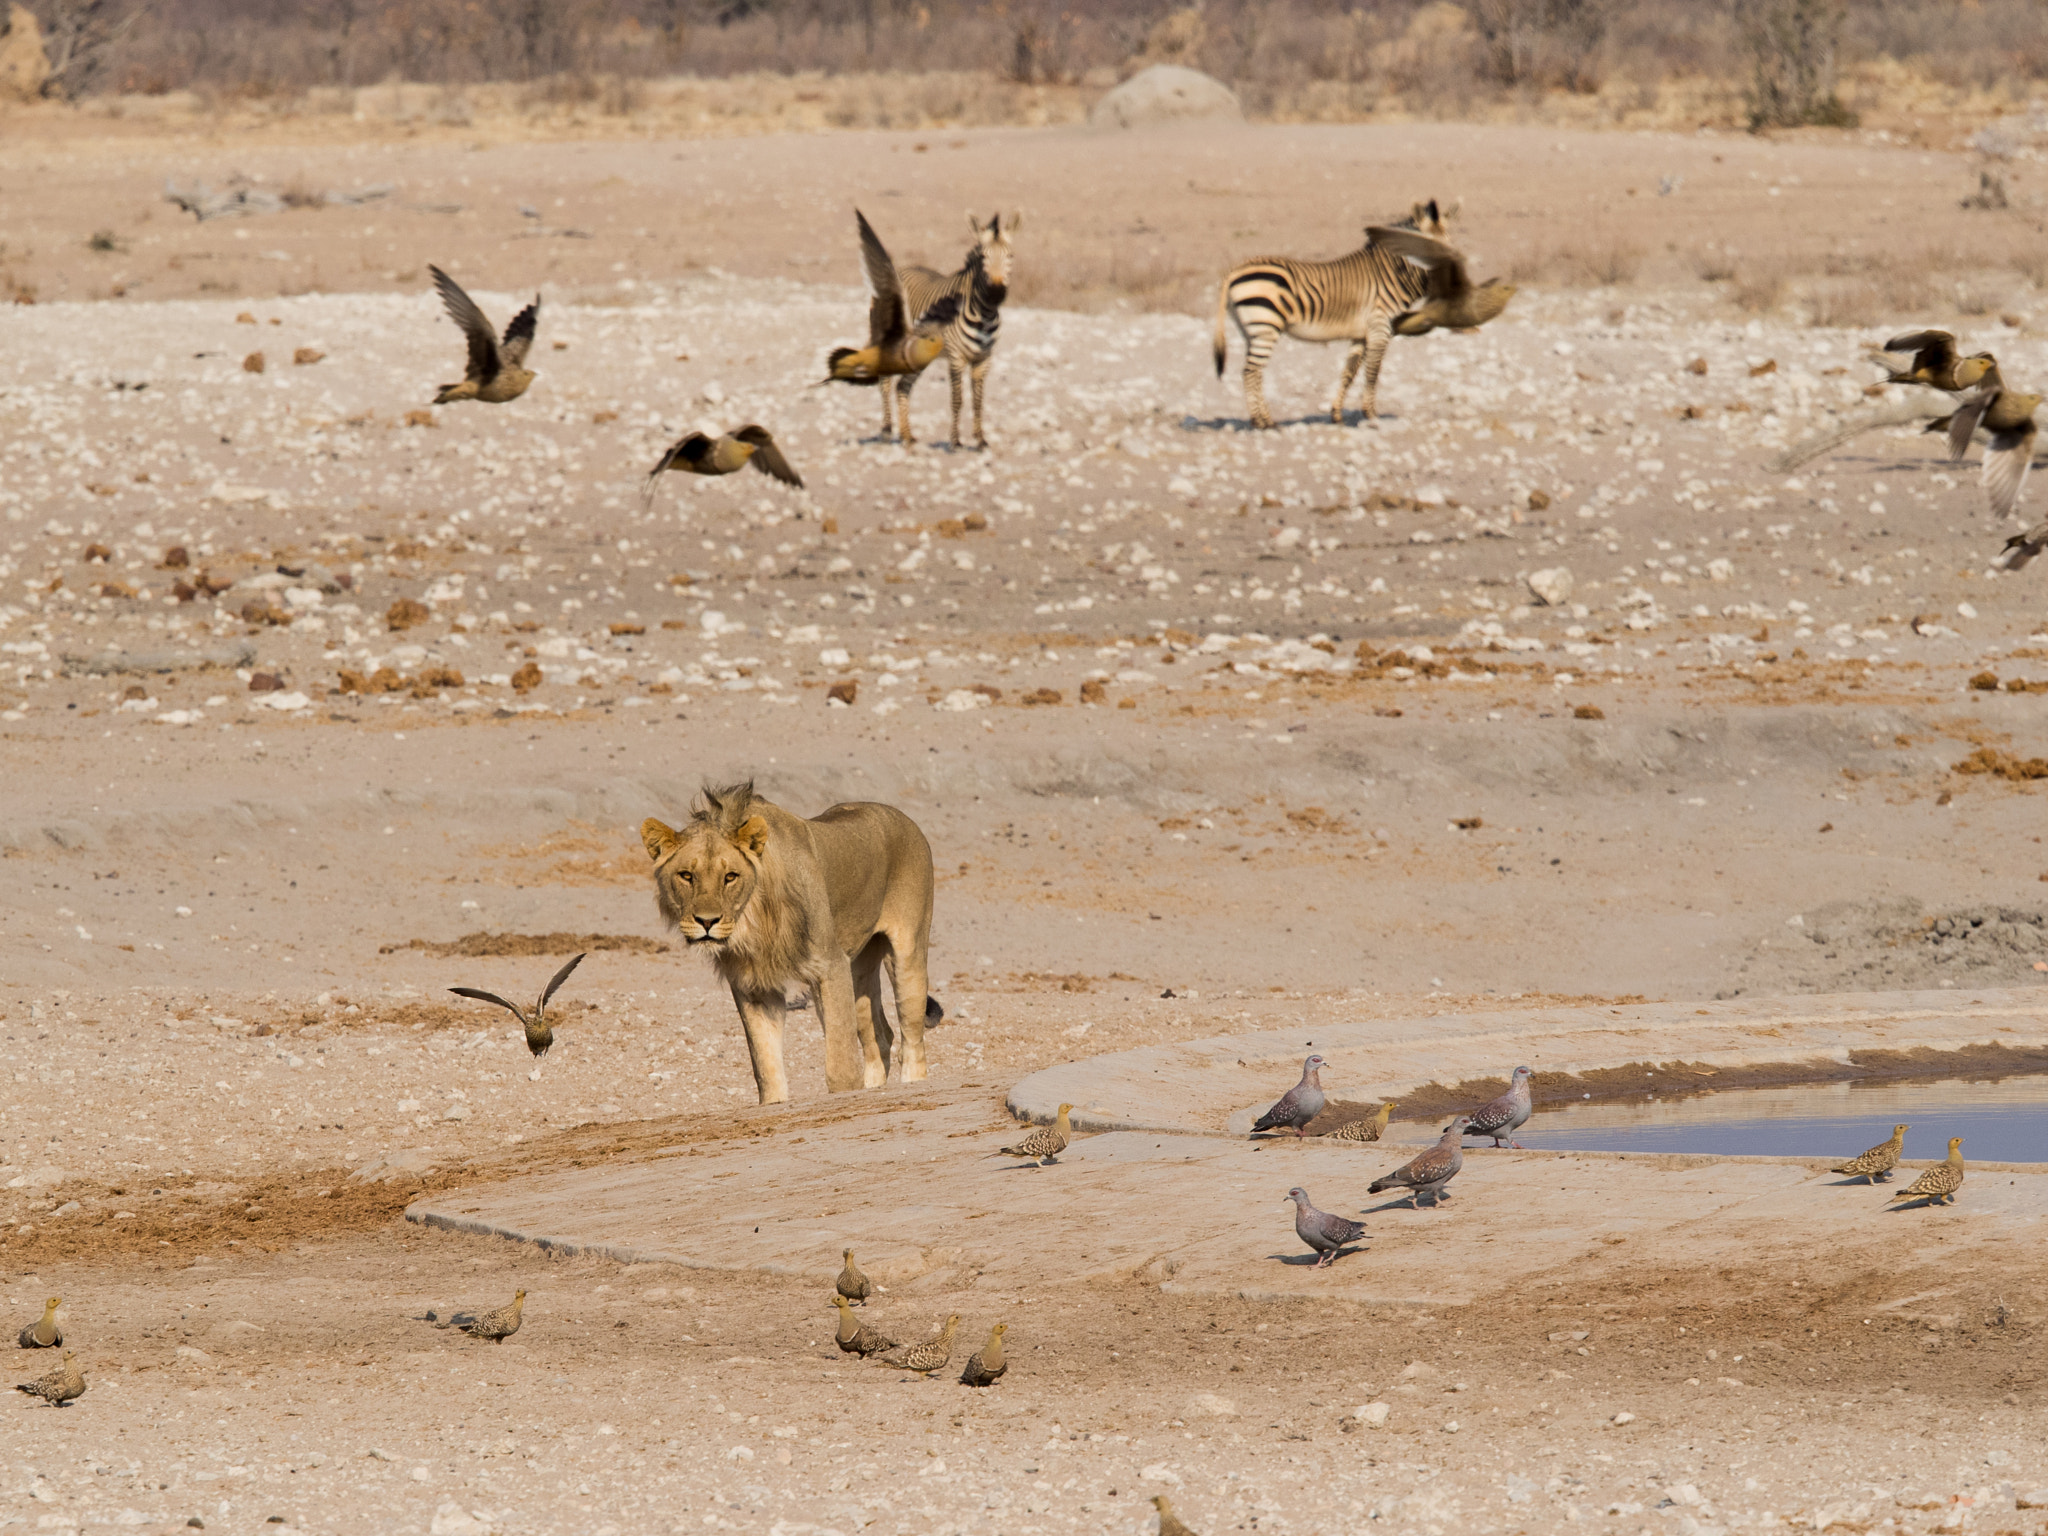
(975, 270)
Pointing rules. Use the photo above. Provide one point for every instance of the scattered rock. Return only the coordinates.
(305, 357)
(24, 65)
(253, 363)
(407, 612)
(1551, 587)
(845, 691)
(1213, 1404)
(527, 678)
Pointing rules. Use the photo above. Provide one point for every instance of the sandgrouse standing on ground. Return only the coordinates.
(856, 1337)
(986, 1365)
(1045, 1144)
(60, 1386)
(43, 1333)
(1939, 1183)
(1879, 1161)
(931, 1355)
(1366, 1128)
(853, 1284)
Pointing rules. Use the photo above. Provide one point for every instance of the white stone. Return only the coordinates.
(1624, 1418)
(1551, 587)
(1372, 1413)
(1213, 1404)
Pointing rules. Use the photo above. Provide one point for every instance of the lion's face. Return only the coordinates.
(703, 879)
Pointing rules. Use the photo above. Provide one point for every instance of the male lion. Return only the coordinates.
(827, 902)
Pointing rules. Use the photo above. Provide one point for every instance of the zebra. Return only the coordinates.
(1354, 298)
(980, 287)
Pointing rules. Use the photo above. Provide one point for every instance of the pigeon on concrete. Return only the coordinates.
(932, 1354)
(1299, 1104)
(1879, 1161)
(1367, 1128)
(539, 1033)
(44, 1332)
(1169, 1523)
(1325, 1233)
(987, 1364)
(855, 1336)
(1430, 1172)
(1500, 1118)
(853, 1284)
(1045, 1144)
(1940, 1182)
(60, 1386)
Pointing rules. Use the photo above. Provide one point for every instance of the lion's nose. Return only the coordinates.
(707, 923)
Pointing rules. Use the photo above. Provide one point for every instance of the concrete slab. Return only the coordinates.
(1223, 1083)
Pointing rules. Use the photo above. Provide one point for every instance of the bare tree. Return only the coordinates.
(1792, 46)
(78, 35)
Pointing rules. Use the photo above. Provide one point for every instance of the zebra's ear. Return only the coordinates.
(1016, 219)
(1452, 211)
(974, 223)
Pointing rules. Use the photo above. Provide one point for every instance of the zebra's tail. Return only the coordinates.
(1222, 319)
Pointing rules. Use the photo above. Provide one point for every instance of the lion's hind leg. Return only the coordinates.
(915, 1009)
(877, 1040)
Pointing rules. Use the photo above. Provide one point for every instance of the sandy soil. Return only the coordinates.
(1324, 703)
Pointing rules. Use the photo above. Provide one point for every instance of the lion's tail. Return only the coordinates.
(934, 1015)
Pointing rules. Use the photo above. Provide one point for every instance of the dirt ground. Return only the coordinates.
(1212, 732)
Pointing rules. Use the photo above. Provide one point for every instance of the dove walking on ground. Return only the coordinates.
(853, 1284)
(931, 1355)
(1325, 1233)
(1169, 1523)
(497, 1325)
(1045, 1144)
(497, 369)
(1299, 1104)
(1500, 1118)
(1879, 1161)
(1428, 1173)
(986, 1365)
(855, 1336)
(540, 1034)
(60, 1386)
(1366, 1128)
(1938, 1183)
(44, 1332)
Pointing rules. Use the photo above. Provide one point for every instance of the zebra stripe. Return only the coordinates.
(979, 287)
(1354, 298)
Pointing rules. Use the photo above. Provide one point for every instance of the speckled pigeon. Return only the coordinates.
(1299, 1104)
(1432, 1170)
(1319, 1229)
(1500, 1118)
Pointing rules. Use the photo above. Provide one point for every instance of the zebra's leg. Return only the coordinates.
(887, 390)
(954, 368)
(905, 382)
(1258, 347)
(980, 379)
(1352, 361)
(1378, 332)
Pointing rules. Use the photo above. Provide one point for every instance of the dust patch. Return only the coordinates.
(481, 946)
(1896, 945)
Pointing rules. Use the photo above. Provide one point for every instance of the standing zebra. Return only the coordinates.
(980, 287)
(1354, 298)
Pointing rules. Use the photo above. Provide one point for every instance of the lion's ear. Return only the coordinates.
(752, 835)
(658, 838)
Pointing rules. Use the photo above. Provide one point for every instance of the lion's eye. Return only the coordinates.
(731, 875)
(685, 879)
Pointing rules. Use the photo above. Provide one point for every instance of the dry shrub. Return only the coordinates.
(1759, 285)
(1712, 264)
(1845, 304)
(1604, 261)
